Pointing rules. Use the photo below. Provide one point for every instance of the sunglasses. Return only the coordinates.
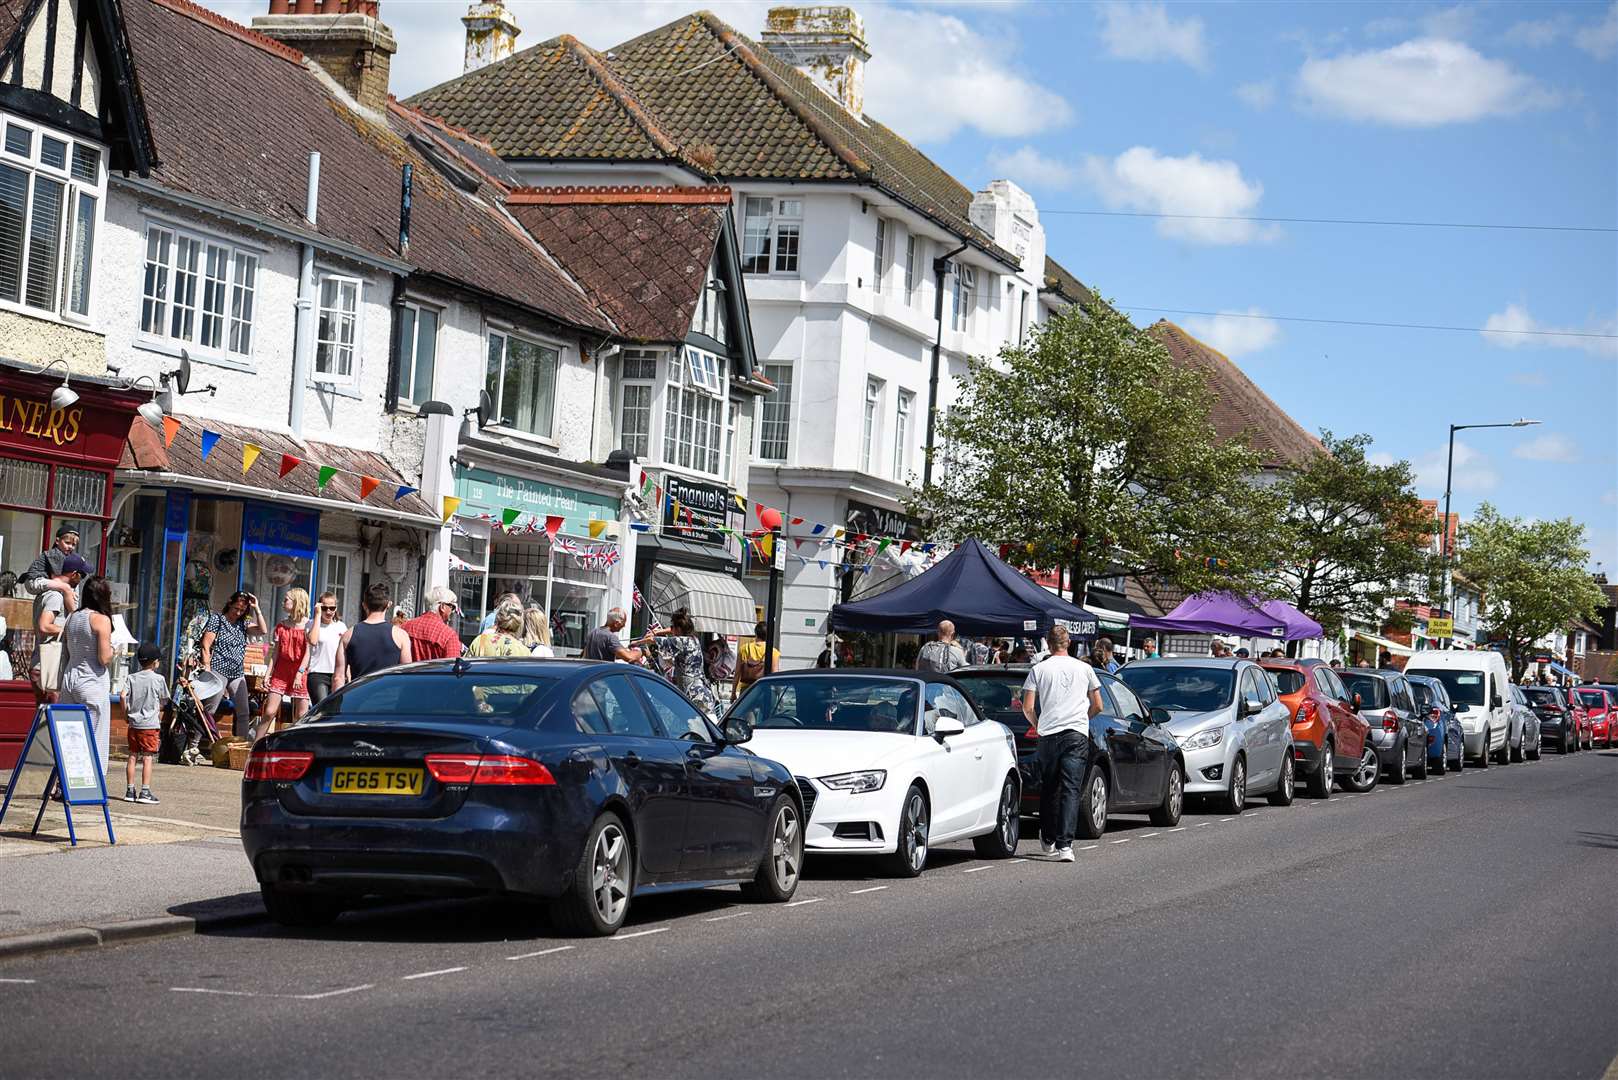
(323, 607)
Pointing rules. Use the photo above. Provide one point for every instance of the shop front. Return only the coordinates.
(691, 561)
(56, 468)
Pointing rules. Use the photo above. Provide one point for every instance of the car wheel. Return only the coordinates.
(1093, 804)
(1421, 763)
(300, 910)
(1519, 751)
(1002, 843)
(777, 877)
(597, 902)
(913, 824)
(1567, 744)
(1236, 792)
(1320, 780)
(1286, 785)
(1366, 773)
(1502, 756)
(1485, 754)
(1396, 774)
(1440, 766)
(1533, 755)
(1168, 814)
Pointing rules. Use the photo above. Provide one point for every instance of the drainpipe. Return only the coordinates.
(303, 341)
(940, 268)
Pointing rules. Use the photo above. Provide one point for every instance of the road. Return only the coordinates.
(1462, 927)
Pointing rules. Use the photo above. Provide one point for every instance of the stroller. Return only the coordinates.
(190, 728)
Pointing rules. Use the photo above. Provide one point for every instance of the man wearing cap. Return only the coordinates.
(42, 572)
(431, 634)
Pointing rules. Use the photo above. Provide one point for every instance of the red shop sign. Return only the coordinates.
(92, 430)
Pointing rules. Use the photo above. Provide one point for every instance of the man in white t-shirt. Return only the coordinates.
(1066, 693)
(325, 631)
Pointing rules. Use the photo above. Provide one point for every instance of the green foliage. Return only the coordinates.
(1353, 535)
(1532, 575)
(1090, 445)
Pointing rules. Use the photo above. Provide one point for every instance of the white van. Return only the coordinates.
(1479, 686)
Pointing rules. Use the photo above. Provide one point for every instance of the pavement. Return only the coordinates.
(1457, 927)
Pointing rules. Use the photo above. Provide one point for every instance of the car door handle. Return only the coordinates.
(695, 756)
(631, 758)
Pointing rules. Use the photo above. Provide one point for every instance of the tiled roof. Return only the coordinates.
(641, 253)
(1240, 407)
(11, 17)
(246, 141)
(1059, 281)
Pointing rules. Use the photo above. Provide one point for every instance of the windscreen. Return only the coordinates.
(1373, 691)
(1543, 695)
(993, 693)
(1181, 689)
(1285, 680)
(474, 695)
(831, 703)
(1592, 699)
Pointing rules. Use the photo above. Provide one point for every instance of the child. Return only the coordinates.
(144, 699)
(291, 661)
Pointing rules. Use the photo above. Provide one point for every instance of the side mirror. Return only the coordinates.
(1252, 706)
(1161, 716)
(737, 730)
(1495, 702)
(947, 725)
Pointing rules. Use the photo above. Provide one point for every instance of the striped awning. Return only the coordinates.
(1384, 643)
(718, 604)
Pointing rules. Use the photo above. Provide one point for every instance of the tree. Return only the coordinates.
(1354, 535)
(1532, 576)
(1087, 448)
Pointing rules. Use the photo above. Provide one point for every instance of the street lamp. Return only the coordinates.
(1449, 474)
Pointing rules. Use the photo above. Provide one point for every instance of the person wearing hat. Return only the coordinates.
(144, 696)
(48, 564)
(54, 601)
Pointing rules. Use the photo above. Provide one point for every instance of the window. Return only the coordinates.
(677, 717)
(695, 415)
(868, 432)
(879, 251)
(901, 434)
(418, 350)
(910, 268)
(521, 380)
(334, 579)
(609, 707)
(197, 291)
(635, 402)
(50, 198)
(708, 317)
(771, 229)
(942, 699)
(1022, 316)
(336, 329)
(775, 419)
(966, 283)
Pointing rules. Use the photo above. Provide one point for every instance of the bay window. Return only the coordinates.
(336, 329)
(695, 414)
(51, 190)
(198, 291)
(521, 381)
(418, 353)
(775, 414)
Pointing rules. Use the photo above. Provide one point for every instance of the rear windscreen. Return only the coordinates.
(1285, 680)
(1543, 695)
(475, 695)
(1373, 691)
(993, 693)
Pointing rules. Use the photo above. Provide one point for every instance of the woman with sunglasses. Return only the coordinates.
(325, 631)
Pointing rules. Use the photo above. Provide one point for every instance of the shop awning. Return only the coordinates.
(1558, 669)
(1383, 643)
(718, 604)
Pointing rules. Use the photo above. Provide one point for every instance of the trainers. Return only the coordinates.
(185, 758)
(147, 797)
(129, 794)
(1047, 848)
(1064, 854)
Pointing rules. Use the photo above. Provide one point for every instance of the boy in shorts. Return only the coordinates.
(147, 692)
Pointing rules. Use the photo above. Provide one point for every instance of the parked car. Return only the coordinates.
(1598, 707)
(889, 763)
(1328, 736)
(1557, 722)
(1587, 731)
(579, 783)
(1528, 725)
(1476, 681)
(1446, 742)
(1234, 734)
(1398, 731)
(1134, 764)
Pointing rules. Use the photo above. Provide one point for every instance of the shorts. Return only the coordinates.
(142, 741)
(277, 684)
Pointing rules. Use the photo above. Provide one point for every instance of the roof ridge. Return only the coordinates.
(234, 29)
(623, 94)
(1230, 366)
(410, 112)
(438, 121)
(711, 195)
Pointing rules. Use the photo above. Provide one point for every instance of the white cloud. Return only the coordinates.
(1030, 168)
(1547, 447)
(1450, 22)
(1145, 31)
(1516, 328)
(1420, 83)
(1473, 471)
(1600, 39)
(1142, 179)
(1258, 95)
(1236, 333)
(1380, 458)
(1537, 33)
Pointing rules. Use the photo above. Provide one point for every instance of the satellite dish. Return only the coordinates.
(485, 408)
(182, 375)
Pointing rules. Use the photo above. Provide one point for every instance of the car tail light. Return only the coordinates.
(282, 765)
(503, 770)
(1390, 721)
(1306, 712)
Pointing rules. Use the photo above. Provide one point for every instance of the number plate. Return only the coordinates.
(370, 780)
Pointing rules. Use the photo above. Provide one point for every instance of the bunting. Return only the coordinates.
(171, 428)
(508, 516)
(597, 527)
(368, 484)
(250, 454)
(325, 475)
(450, 503)
(553, 524)
(288, 463)
(210, 439)
(404, 489)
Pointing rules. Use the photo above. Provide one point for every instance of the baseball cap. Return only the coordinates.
(75, 564)
(148, 652)
(67, 530)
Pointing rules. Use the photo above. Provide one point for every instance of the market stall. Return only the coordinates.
(1224, 613)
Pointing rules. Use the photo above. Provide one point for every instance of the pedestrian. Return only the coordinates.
(685, 649)
(488, 619)
(224, 652)
(979, 653)
(431, 634)
(603, 642)
(826, 658)
(48, 563)
(1242, 654)
(504, 639)
(943, 654)
(1101, 655)
(536, 632)
(289, 662)
(750, 657)
(1019, 655)
(324, 632)
(143, 697)
(1148, 648)
(1336, 664)
(1061, 695)
(1384, 660)
(374, 644)
(51, 606)
(722, 662)
(1221, 651)
(87, 641)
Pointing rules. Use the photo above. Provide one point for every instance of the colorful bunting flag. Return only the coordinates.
(450, 504)
(882, 545)
(404, 489)
(250, 454)
(509, 515)
(641, 526)
(817, 530)
(210, 439)
(597, 527)
(368, 484)
(171, 428)
(288, 463)
(326, 473)
(553, 525)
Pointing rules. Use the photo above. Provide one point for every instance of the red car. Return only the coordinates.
(1325, 727)
(1581, 719)
(1598, 703)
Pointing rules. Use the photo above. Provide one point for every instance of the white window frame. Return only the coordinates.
(878, 253)
(785, 213)
(412, 342)
(870, 426)
(639, 382)
(334, 377)
(912, 260)
(904, 410)
(506, 332)
(74, 190)
(965, 299)
(696, 412)
(237, 258)
(341, 588)
(775, 412)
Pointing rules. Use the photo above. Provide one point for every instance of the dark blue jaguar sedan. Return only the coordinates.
(582, 784)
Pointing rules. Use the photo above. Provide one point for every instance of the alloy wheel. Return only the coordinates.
(1098, 802)
(786, 847)
(1176, 792)
(1365, 775)
(1238, 785)
(609, 874)
(1009, 827)
(915, 831)
(1289, 777)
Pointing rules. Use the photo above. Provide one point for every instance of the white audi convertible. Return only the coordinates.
(889, 763)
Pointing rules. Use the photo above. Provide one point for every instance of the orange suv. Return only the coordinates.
(1328, 735)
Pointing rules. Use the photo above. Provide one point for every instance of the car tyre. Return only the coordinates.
(914, 822)
(1396, 774)
(1093, 798)
(1320, 780)
(1441, 765)
(782, 866)
(300, 910)
(1539, 744)
(1502, 756)
(1236, 790)
(1002, 843)
(1366, 773)
(1421, 764)
(597, 902)
(1485, 753)
(1520, 751)
(1286, 783)
(1167, 814)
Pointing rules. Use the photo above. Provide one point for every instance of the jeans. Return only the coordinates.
(1062, 758)
(241, 704)
(319, 687)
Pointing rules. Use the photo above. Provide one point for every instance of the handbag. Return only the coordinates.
(51, 657)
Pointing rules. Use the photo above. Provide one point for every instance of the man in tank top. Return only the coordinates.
(375, 644)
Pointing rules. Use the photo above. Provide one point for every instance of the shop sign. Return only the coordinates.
(878, 521)
(704, 509)
(278, 531)
(485, 492)
(84, 430)
(1440, 628)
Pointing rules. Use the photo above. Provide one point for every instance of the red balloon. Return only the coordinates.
(769, 518)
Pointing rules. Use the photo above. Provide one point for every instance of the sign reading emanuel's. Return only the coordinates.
(694, 511)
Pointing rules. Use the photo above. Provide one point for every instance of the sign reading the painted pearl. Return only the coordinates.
(695, 511)
(490, 493)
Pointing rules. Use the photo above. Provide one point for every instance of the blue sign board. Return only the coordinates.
(279, 531)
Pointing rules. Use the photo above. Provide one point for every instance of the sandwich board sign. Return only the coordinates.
(63, 741)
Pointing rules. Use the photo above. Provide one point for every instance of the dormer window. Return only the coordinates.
(51, 192)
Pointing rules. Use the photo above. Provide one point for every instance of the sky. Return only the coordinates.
(1113, 113)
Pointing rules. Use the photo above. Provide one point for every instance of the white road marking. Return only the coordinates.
(542, 952)
(873, 888)
(643, 933)
(1148, 836)
(811, 900)
(1224, 819)
(430, 974)
(1180, 829)
(1125, 840)
(211, 990)
(1018, 860)
(23, 981)
(337, 993)
(1092, 847)
(722, 918)
(975, 869)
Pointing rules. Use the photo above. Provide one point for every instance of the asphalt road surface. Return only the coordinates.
(1462, 927)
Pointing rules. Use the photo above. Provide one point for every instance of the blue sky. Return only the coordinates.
(1502, 114)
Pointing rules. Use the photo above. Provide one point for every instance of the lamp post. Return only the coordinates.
(1449, 474)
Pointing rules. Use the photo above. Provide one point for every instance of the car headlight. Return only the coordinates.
(856, 782)
(1203, 739)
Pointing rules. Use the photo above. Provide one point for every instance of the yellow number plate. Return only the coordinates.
(369, 780)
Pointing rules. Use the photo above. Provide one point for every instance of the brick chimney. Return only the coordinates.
(825, 43)
(491, 34)
(345, 37)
